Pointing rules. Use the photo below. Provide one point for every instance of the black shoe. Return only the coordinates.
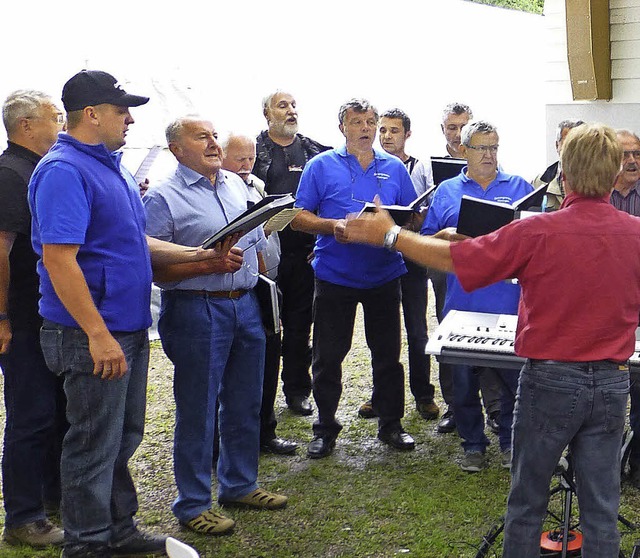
(321, 447)
(300, 405)
(447, 423)
(492, 422)
(397, 439)
(278, 446)
(140, 544)
(76, 550)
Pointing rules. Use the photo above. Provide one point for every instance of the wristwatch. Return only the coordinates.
(391, 237)
(3, 316)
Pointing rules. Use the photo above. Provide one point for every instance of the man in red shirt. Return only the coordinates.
(574, 385)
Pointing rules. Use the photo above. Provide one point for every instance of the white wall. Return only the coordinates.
(623, 109)
(220, 58)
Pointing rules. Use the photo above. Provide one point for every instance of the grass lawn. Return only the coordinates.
(366, 500)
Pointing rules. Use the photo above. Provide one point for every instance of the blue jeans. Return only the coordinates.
(35, 425)
(468, 409)
(634, 422)
(582, 405)
(106, 424)
(217, 347)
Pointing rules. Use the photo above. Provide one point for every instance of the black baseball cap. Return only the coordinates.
(92, 87)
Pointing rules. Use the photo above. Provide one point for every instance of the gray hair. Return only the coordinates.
(266, 101)
(628, 133)
(566, 124)
(357, 105)
(478, 127)
(456, 108)
(234, 136)
(22, 103)
(174, 129)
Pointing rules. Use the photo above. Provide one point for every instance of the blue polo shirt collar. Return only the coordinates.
(342, 151)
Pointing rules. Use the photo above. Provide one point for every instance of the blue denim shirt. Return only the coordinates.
(187, 209)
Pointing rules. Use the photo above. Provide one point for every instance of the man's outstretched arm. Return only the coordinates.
(427, 251)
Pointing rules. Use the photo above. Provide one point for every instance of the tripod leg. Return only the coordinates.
(490, 538)
(568, 500)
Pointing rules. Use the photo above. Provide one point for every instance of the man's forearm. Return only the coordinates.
(72, 290)
(426, 251)
(70, 285)
(308, 222)
(223, 262)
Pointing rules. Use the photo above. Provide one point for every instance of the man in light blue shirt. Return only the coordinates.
(211, 329)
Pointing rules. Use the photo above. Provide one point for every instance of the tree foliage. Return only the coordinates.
(534, 6)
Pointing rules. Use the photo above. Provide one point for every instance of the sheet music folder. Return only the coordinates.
(267, 293)
(402, 213)
(444, 168)
(253, 217)
(478, 217)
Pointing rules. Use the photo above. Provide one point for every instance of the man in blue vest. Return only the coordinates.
(95, 282)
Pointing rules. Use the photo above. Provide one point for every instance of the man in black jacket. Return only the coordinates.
(282, 153)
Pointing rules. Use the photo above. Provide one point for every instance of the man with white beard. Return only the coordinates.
(282, 154)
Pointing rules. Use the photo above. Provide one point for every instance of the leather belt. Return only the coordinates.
(215, 294)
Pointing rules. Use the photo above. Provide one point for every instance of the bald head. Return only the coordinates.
(239, 155)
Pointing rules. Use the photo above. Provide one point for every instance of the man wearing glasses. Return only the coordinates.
(625, 196)
(480, 179)
(334, 184)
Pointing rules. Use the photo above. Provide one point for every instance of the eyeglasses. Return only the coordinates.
(58, 118)
(484, 149)
(635, 154)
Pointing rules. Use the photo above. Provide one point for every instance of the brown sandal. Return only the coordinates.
(258, 499)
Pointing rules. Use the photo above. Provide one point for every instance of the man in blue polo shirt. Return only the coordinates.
(334, 184)
(480, 179)
(95, 281)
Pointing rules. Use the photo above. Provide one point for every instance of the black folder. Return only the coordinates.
(253, 217)
(444, 168)
(478, 217)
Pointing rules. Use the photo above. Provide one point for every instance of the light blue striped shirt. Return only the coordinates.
(187, 209)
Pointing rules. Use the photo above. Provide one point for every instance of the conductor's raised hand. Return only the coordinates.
(370, 227)
(338, 230)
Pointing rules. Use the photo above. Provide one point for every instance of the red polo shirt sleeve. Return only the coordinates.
(484, 260)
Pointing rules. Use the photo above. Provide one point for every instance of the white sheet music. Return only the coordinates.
(143, 169)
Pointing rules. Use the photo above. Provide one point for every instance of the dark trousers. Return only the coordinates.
(268, 420)
(634, 422)
(35, 426)
(439, 283)
(334, 314)
(413, 285)
(295, 280)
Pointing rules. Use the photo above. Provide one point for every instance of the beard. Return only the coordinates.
(286, 129)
